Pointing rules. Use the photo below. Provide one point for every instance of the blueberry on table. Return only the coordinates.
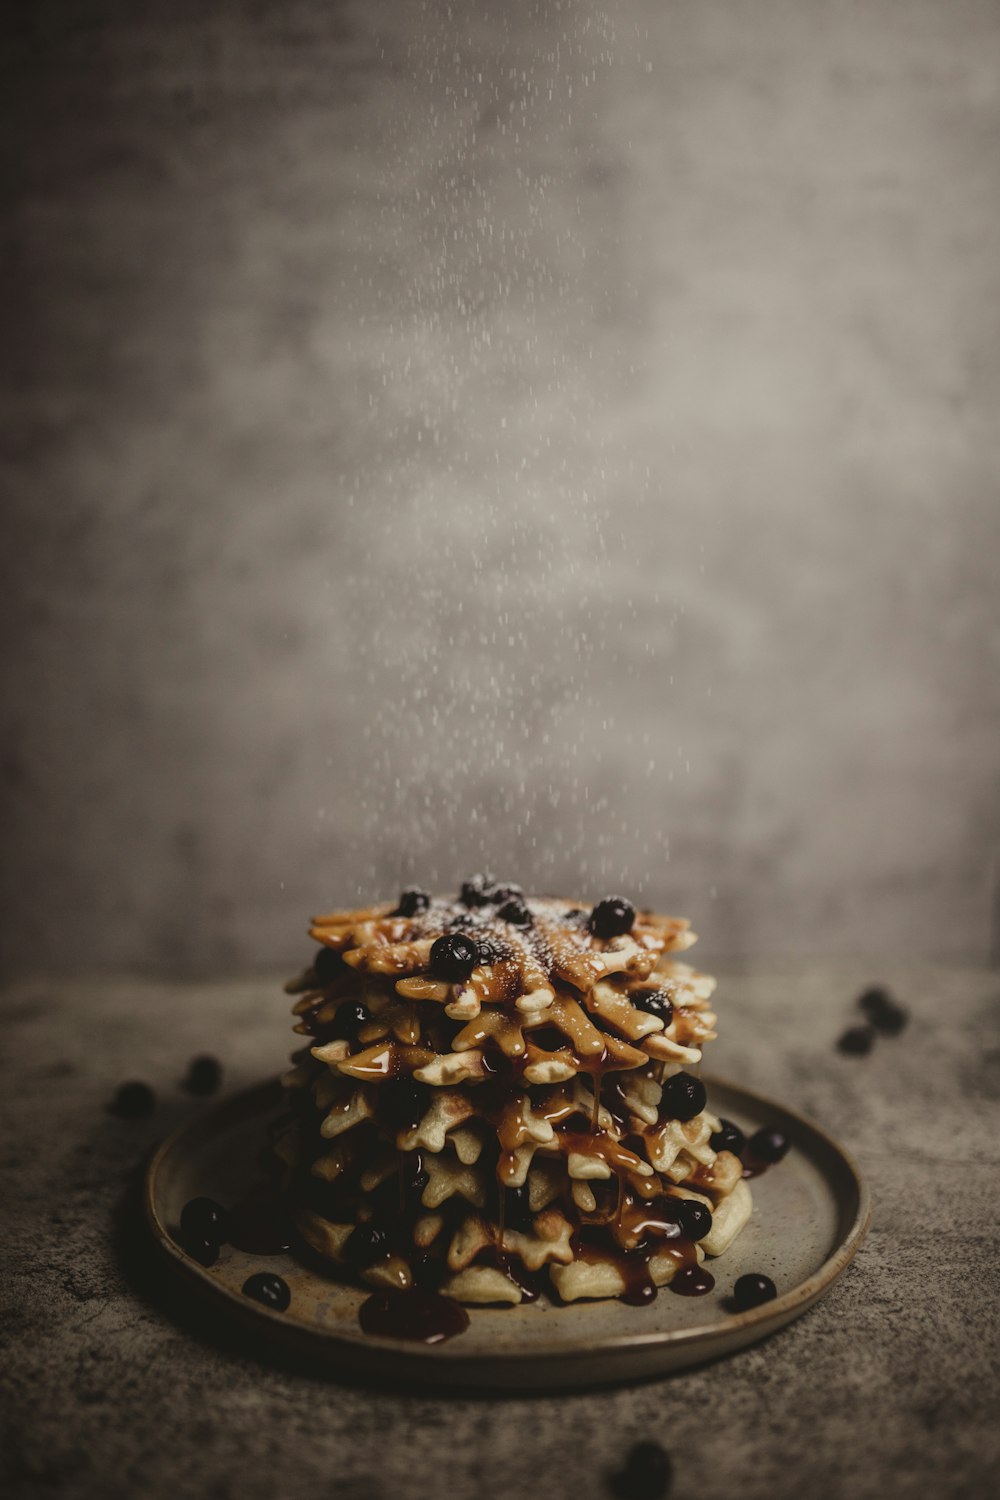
(654, 1002)
(882, 1011)
(856, 1041)
(753, 1290)
(612, 917)
(412, 902)
(768, 1146)
(204, 1075)
(694, 1218)
(327, 965)
(647, 1473)
(271, 1290)
(729, 1138)
(453, 957)
(683, 1097)
(133, 1101)
(203, 1218)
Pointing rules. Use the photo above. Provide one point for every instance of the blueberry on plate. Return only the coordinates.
(768, 1145)
(203, 1218)
(612, 917)
(729, 1138)
(133, 1101)
(206, 1252)
(683, 1097)
(271, 1290)
(753, 1290)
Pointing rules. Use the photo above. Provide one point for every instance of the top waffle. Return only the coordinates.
(551, 987)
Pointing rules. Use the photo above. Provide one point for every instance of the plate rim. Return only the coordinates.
(450, 1358)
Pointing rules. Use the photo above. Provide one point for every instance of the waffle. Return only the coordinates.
(493, 1098)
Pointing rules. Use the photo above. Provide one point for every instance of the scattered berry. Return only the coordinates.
(412, 902)
(752, 1290)
(612, 917)
(203, 1218)
(515, 911)
(327, 965)
(882, 1011)
(133, 1101)
(768, 1146)
(857, 1041)
(265, 1287)
(204, 1075)
(729, 1138)
(453, 957)
(694, 1218)
(647, 1473)
(655, 1003)
(683, 1097)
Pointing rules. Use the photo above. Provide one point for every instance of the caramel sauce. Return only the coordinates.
(414, 1313)
(259, 1223)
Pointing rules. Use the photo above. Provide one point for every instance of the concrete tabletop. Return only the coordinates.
(888, 1387)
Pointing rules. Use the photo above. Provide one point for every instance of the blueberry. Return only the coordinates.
(516, 912)
(683, 1097)
(856, 1041)
(695, 1219)
(204, 1075)
(729, 1138)
(133, 1101)
(655, 1003)
(327, 965)
(366, 1244)
(351, 1017)
(453, 957)
(205, 1252)
(203, 1218)
(882, 1011)
(752, 1290)
(574, 915)
(647, 1473)
(265, 1287)
(412, 902)
(768, 1145)
(490, 952)
(612, 917)
(476, 891)
(498, 894)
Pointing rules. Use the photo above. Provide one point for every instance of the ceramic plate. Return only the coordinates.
(810, 1216)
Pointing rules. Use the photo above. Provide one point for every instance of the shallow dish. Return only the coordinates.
(810, 1215)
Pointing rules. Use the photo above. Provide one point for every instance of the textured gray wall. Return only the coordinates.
(557, 437)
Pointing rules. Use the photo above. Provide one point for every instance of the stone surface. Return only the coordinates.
(556, 435)
(887, 1388)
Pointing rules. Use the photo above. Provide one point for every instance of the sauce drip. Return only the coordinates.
(415, 1313)
(259, 1224)
(692, 1281)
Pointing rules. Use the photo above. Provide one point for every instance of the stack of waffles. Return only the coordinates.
(496, 1100)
